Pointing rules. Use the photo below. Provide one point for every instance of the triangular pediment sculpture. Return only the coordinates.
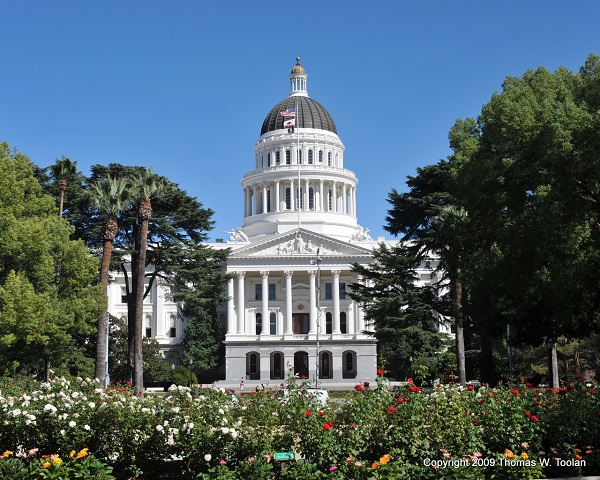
(300, 243)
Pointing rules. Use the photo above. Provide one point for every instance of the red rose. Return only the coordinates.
(527, 414)
(380, 372)
(400, 400)
(535, 419)
(515, 392)
(326, 426)
(471, 388)
(367, 384)
(409, 380)
(308, 414)
(475, 421)
(359, 388)
(391, 409)
(321, 413)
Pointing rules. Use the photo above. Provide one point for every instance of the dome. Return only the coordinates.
(297, 68)
(309, 114)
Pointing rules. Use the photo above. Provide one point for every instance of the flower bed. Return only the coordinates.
(510, 432)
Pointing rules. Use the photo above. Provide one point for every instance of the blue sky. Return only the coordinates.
(184, 86)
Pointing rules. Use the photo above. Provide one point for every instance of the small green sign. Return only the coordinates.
(283, 456)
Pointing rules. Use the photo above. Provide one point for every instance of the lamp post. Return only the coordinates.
(46, 363)
(317, 262)
(552, 363)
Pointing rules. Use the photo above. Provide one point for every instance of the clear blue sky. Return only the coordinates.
(184, 86)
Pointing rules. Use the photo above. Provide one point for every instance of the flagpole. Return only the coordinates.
(298, 162)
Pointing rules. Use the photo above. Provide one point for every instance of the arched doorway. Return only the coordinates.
(277, 370)
(301, 364)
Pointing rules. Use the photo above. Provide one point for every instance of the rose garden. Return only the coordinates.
(76, 429)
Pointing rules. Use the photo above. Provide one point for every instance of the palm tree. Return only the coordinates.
(110, 196)
(62, 171)
(147, 184)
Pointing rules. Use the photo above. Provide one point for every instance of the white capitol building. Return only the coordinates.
(291, 260)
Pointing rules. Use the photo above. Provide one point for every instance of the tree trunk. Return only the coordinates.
(62, 185)
(103, 319)
(459, 331)
(139, 314)
(132, 302)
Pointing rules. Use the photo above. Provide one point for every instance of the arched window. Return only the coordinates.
(311, 198)
(325, 366)
(288, 158)
(310, 157)
(320, 156)
(343, 323)
(173, 325)
(268, 209)
(148, 324)
(328, 323)
(253, 366)
(330, 200)
(349, 364)
(288, 199)
(329, 159)
(269, 159)
(258, 323)
(277, 157)
(277, 370)
(273, 323)
(301, 364)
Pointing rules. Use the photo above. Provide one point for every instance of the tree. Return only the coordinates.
(110, 196)
(148, 185)
(37, 309)
(62, 171)
(406, 316)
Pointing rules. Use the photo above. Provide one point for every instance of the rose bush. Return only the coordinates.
(509, 432)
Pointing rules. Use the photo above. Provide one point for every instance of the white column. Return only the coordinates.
(321, 198)
(306, 196)
(255, 201)
(313, 303)
(335, 203)
(288, 302)
(265, 304)
(241, 304)
(276, 196)
(264, 189)
(336, 301)
(230, 307)
(344, 199)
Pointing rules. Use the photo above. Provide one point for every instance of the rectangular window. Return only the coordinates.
(273, 323)
(173, 326)
(272, 291)
(123, 295)
(342, 291)
(148, 325)
(328, 291)
(258, 291)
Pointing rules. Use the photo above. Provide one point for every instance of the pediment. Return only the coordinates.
(299, 243)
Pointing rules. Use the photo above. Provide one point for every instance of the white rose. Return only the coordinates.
(207, 457)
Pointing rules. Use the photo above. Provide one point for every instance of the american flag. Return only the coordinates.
(288, 113)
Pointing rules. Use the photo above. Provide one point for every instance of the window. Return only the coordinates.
(310, 157)
(268, 200)
(272, 291)
(311, 198)
(253, 366)
(325, 365)
(343, 323)
(258, 323)
(277, 157)
(301, 364)
(349, 365)
(288, 157)
(148, 324)
(258, 291)
(328, 291)
(148, 297)
(277, 370)
(269, 159)
(329, 159)
(328, 323)
(273, 323)
(123, 295)
(342, 291)
(288, 200)
(320, 156)
(173, 326)
(300, 323)
(299, 156)
(330, 200)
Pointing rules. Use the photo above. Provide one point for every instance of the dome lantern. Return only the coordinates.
(298, 78)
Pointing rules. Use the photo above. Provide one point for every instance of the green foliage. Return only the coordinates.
(45, 295)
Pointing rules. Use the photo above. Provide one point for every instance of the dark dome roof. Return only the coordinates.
(309, 114)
